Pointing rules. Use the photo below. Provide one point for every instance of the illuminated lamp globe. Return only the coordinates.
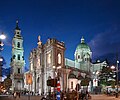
(2, 36)
(112, 67)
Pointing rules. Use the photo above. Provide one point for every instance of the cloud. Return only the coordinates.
(105, 43)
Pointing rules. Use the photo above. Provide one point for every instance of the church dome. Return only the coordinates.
(83, 52)
(83, 45)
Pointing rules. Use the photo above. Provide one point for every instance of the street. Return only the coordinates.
(21, 98)
(104, 97)
(94, 97)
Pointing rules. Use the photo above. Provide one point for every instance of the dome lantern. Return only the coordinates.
(82, 40)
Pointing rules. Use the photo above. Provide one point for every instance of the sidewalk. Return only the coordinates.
(104, 97)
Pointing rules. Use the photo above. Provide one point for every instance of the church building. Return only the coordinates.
(47, 61)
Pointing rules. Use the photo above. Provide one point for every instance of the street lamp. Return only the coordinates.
(113, 70)
(54, 67)
(117, 79)
(2, 37)
(113, 67)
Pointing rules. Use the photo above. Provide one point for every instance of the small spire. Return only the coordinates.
(17, 27)
(82, 40)
(39, 40)
(16, 21)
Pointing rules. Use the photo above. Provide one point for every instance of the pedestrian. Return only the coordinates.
(82, 94)
(14, 95)
(19, 94)
(62, 95)
(86, 95)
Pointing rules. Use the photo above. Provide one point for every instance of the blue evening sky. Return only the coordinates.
(66, 20)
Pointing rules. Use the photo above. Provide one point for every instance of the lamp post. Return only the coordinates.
(54, 67)
(113, 67)
(117, 79)
(2, 37)
(1, 59)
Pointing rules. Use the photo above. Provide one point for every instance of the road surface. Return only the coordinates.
(104, 97)
(94, 97)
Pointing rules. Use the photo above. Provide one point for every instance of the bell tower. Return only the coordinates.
(17, 60)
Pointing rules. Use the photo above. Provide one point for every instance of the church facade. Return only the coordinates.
(42, 59)
(47, 61)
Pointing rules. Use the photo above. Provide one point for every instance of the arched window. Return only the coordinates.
(38, 62)
(59, 58)
(18, 56)
(18, 44)
(23, 57)
(78, 56)
(13, 56)
(49, 58)
(72, 85)
(19, 70)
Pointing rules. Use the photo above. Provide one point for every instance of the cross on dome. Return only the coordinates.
(17, 27)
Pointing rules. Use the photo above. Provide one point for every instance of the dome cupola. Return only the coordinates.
(82, 52)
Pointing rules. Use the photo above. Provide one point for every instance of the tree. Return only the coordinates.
(106, 76)
(7, 83)
(85, 81)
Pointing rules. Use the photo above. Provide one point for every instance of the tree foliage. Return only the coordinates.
(85, 81)
(7, 83)
(106, 76)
